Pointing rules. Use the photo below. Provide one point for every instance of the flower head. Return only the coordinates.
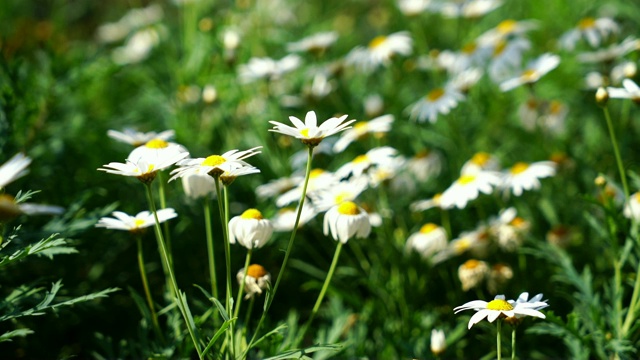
(436, 101)
(198, 185)
(11, 208)
(471, 273)
(156, 149)
(250, 229)
(523, 176)
(438, 342)
(630, 90)
(13, 169)
(345, 221)
(257, 279)
(429, 240)
(533, 72)
(499, 307)
(632, 208)
(285, 219)
(214, 165)
(480, 161)
(123, 221)
(380, 51)
(309, 132)
(267, 68)
(144, 169)
(316, 43)
(377, 126)
(591, 29)
(468, 187)
(376, 157)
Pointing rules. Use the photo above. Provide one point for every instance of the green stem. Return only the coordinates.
(325, 286)
(210, 248)
(165, 257)
(616, 151)
(247, 316)
(513, 343)
(269, 300)
(247, 262)
(498, 349)
(163, 205)
(631, 313)
(147, 292)
(222, 198)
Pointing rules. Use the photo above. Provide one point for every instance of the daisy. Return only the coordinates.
(437, 101)
(137, 138)
(285, 218)
(421, 205)
(347, 190)
(611, 53)
(498, 276)
(198, 186)
(144, 219)
(464, 80)
(256, 280)
(506, 58)
(319, 180)
(267, 68)
(316, 43)
(345, 221)
(475, 241)
(250, 229)
(139, 45)
(13, 169)
(429, 240)
(470, 9)
(229, 175)
(497, 308)
(10, 208)
(373, 158)
(523, 176)
(632, 208)
(561, 236)
(509, 229)
(480, 161)
(413, 7)
(468, 187)
(157, 149)
(377, 126)
(391, 171)
(591, 29)
(534, 71)
(630, 90)
(506, 29)
(425, 165)
(143, 169)
(309, 132)
(471, 273)
(279, 186)
(380, 51)
(214, 165)
(438, 342)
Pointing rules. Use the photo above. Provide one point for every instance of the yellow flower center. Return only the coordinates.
(316, 173)
(343, 196)
(213, 160)
(586, 23)
(138, 222)
(506, 27)
(377, 41)
(466, 179)
(348, 208)
(156, 144)
(469, 48)
(434, 95)
(256, 271)
(480, 159)
(519, 167)
(555, 107)
(360, 159)
(637, 197)
(427, 228)
(517, 222)
(500, 46)
(361, 127)
(304, 132)
(252, 214)
(462, 246)
(529, 74)
(499, 305)
(422, 154)
(471, 264)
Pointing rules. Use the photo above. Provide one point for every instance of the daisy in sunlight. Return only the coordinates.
(214, 165)
(256, 280)
(377, 126)
(250, 229)
(480, 161)
(144, 169)
(316, 43)
(346, 221)
(346, 190)
(591, 29)
(471, 273)
(156, 148)
(308, 131)
(144, 219)
(533, 72)
(524, 176)
(436, 101)
(376, 157)
(137, 138)
(429, 240)
(468, 187)
(499, 307)
(380, 51)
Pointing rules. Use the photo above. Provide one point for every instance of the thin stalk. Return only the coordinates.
(616, 151)
(325, 286)
(286, 254)
(513, 343)
(165, 257)
(163, 205)
(210, 248)
(631, 313)
(498, 349)
(247, 316)
(247, 261)
(147, 292)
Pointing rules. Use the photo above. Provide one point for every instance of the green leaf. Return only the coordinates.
(301, 353)
(218, 333)
(9, 335)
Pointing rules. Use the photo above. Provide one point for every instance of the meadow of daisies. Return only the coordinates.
(255, 179)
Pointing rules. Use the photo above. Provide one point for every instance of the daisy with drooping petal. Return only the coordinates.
(285, 218)
(429, 240)
(143, 169)
(497, 308)
(523, 176)
(198, 185)
(13, 169)
(534, 71)
(378, 126)
(250, 229)
(437, 101)
(630, 90)
(468, 187)
(309, 132)
(591, 29)
(267, 68)
(144, 219)
(471, 273)
(214, 165)
(345, 221)
(316, 43)
(256, 280)
(380, 51)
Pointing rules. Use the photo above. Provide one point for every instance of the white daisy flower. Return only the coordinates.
(144, 219)
(430, 240)
(624, 70)
(422, 205)
(630, 90)
(156, 149)
(523, 176)
(9, 208)
(267, 68)
(380, 51)
(498, 307)
(498, 276)
(316, 43)
(13, 169)
(137, 138)
(319, 180)
(375, 157)
(198, 185)
(438, 342)
(425, 165)
(139, 45)
(468, 187)
(391, 171)
(413, 7)
(506, 29)
(471, 273)
(377, 126)
(591, 29)
(231, 173)
(345, 221)
(480, 161)
(285, 219)
(373, 105)
(309, 132)
(466, 79)
(214, 165)
(437, 101)
(506, 58)
(347, 190)
(143, 169)
(509, 229)
(256, 280)
(611, 53)
(469, 9)
(250, 229)
(534, 71)
(279, 186)
(632, 208)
